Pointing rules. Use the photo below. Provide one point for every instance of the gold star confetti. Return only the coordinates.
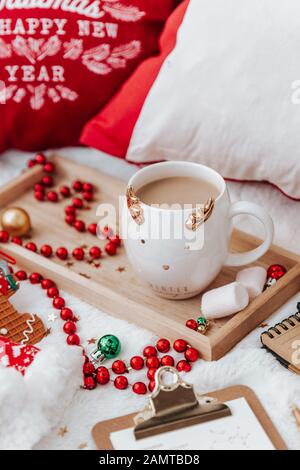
(69, 264)
(263, 325)
(83, 445)
(85, 275)
(121, 269)
(62, 431)
(48, 331)
(92, 341)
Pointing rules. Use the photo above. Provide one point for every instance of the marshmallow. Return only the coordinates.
(224, 301)
(253, 279)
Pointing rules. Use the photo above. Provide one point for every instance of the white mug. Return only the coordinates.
(183, 266)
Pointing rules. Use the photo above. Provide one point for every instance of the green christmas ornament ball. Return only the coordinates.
(109, 345)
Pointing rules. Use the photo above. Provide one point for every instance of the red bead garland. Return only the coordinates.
(149, 351)
(183, 366)
(121, 382)
(191, 354)
(66, 314)
(4, 236)
(180, 345)
(137, 363)
(62, 253)
(139, 388)
(119, 367)
(31, 246)
(102, 375)
(163, 345)
(46, 251)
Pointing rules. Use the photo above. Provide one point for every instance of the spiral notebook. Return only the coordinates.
(283, 341)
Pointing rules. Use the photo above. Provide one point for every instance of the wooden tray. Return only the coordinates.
(116, 290)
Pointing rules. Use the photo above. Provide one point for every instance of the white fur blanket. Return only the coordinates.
(33, 410)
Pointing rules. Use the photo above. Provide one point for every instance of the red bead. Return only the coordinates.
(52, 196)
(151, 373)
(107, 231)
(21, 275)
(191, 354)
(102, 375)
(47, 181)
(70, 328)
(88, 187)
(49, 167)
(152, 361)
(40, 158)
(115, 239)
(17, 241)
(167, 361)
(151, 385)
(66, 314)
(192, 324)
(89, 382)
(87, 196)
(39, 195)
(77, 186)
(58, 303)
(79, 225)
(39, 187)
(163, 345)
(276, 271)
(73, 340)
(77, 202)
(150, 351)
(110, 249)
(31, 163)
(78, 253)
(95, 252)
(183, 366)
(4, 236)
(121, 382)
(70, 210)
(53, 292)
(180, 345)
(70, 219)
(137, 362)
(119, 367)
(46, 251)
(92, 228)
(35, 278)
(62, 253)
(139, 388)
(47, 283)
(31, 246)
(88, 368)
(65, 191)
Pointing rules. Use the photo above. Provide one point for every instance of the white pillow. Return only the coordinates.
(228, 94)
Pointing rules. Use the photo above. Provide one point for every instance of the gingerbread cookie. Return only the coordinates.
(20, 328)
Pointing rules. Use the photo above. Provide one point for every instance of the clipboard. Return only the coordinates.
(102, 431)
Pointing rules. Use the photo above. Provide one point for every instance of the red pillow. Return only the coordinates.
(60, 63)
(111, 130)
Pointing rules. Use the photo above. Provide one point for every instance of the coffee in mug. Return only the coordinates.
(181, 190)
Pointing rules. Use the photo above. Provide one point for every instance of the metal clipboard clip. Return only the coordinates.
(174, 405)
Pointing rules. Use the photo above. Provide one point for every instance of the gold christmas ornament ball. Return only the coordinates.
(16, 221)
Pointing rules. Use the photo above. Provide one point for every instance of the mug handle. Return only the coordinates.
(249, 208)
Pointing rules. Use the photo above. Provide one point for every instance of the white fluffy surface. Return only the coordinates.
(58, 401)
